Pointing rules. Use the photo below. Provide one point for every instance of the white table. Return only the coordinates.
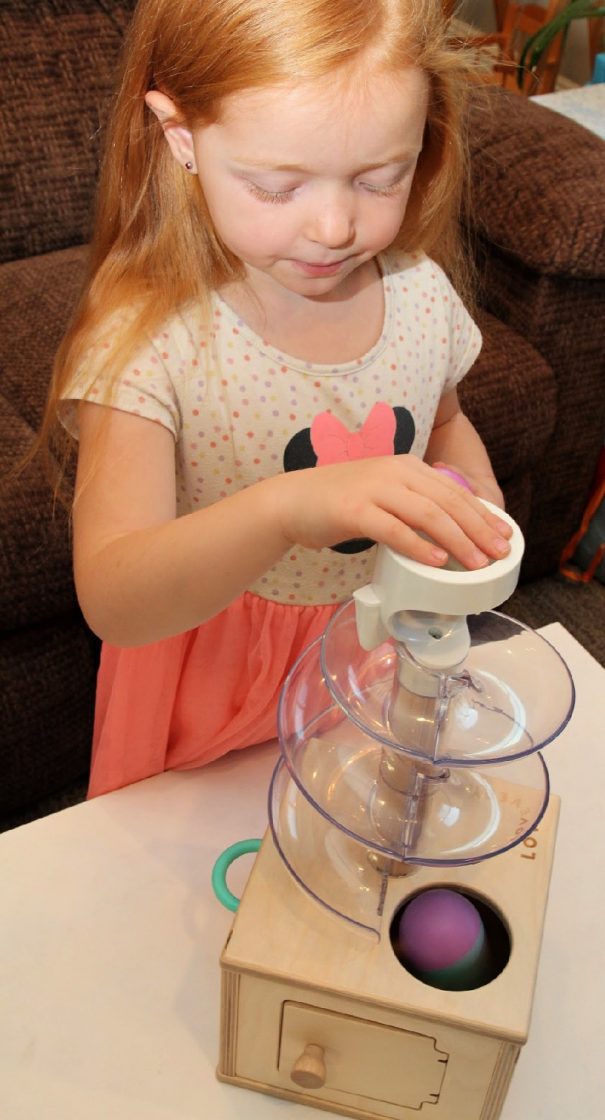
(586, 105)
(110, 938)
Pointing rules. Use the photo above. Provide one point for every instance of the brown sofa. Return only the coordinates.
(536, 393)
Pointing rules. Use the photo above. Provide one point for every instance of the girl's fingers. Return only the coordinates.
(454, 525)
(391, 531)
(428, 517)
(489, 531)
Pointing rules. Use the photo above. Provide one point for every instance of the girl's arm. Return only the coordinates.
(455, 442)
(143, 574)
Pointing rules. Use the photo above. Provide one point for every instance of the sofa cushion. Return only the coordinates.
(36, 582)
(47, 686)
(35, 556)
(510, 395)
(58, 61)
(37, 296)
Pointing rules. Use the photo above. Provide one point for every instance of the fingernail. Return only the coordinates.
(479, 559)
(439, 555)
(501, 546)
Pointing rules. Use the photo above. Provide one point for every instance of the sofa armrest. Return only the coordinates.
(537, 185)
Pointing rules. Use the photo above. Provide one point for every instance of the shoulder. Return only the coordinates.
(419, 277)
(431, 309)
(179, 338)
(415, 269)
(146, 372)
(137, 331)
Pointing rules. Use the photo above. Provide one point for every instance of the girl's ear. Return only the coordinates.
(179, 138)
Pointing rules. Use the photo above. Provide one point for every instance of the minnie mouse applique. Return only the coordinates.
(386, 431)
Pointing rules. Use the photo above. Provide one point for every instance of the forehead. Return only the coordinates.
(332, 117)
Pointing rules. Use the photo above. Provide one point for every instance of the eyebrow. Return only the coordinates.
(261, 165)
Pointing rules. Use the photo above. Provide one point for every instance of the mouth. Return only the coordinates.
(310, 269)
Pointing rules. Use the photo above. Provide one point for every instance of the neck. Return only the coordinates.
(338, 327)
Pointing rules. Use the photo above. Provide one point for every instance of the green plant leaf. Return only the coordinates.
(537, 44)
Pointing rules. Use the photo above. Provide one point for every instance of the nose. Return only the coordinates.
(332, 222)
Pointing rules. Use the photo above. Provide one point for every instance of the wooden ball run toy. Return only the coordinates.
(382, 961)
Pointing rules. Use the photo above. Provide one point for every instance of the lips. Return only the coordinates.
(317, 269)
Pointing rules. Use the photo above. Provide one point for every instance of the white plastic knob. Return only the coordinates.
(403, 585)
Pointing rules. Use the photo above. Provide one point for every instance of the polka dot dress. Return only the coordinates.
(235, 405)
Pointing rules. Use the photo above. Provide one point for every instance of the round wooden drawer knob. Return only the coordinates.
(309, 1071)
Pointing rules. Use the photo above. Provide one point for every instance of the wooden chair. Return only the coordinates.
(596, 38)
(500, 7)
(500, 53)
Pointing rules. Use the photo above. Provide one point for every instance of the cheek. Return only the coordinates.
(261, 227)
(393, 219)
(232, 215)
(384, 223)
(237, 215)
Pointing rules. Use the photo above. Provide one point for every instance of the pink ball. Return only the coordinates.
(438, 928)
(455, 477)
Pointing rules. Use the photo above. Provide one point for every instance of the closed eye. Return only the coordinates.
(392, 189)
(268, 196)
(388, 188)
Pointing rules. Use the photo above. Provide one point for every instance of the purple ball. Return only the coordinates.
(437, 928)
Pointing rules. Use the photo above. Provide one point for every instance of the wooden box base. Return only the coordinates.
(316, 1011)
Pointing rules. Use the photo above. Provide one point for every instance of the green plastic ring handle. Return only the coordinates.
(222, 865)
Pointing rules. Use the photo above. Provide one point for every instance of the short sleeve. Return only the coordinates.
(464, 335)
(144, 387)
(435, 326)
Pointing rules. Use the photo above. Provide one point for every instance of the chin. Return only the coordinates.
(310, 285)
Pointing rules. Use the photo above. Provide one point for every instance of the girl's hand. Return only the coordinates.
(483, 486)
(398, 501)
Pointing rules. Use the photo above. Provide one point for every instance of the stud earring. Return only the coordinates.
(189, 165)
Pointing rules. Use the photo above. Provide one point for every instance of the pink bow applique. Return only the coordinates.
(333, 443)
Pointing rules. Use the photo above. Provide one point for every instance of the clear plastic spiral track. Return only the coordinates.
(412, 736)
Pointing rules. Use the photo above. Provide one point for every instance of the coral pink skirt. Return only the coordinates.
(184, 701)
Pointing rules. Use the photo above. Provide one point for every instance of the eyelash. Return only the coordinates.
(279, 197)
(268, 196)
(392, 189)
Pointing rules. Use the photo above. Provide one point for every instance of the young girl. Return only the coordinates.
(264, 363)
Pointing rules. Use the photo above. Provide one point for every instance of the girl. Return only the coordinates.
(265, 360)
